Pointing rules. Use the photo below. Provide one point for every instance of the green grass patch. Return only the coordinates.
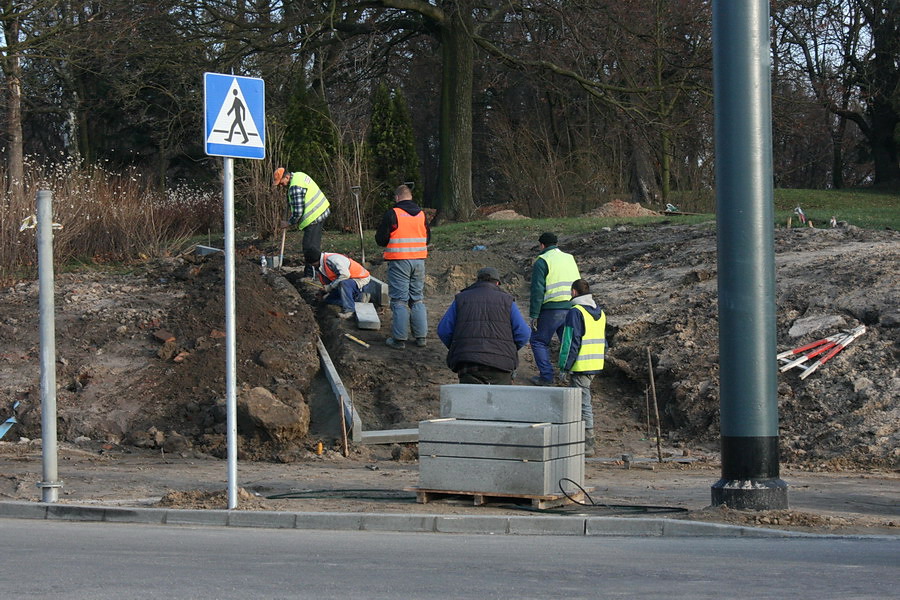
(863, 208)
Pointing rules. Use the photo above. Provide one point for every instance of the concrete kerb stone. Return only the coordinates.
(73, 512)
(547, 525)
(23, 510)
(147, 516)
(262, 519)
(486, 524)
(329, 521)
(418, 523)
(621, 526)
(414, 523)
(197, 517)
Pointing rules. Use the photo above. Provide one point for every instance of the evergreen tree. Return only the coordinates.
(392, 152)
(310, 139)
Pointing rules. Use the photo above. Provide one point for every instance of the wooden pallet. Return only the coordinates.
(424, 496)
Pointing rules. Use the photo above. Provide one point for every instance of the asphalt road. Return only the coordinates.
(98, 561)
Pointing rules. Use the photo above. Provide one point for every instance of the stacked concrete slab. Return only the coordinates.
(503, 440)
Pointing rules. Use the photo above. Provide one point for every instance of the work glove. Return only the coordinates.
(534, 324)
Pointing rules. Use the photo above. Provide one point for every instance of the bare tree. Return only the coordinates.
(850, 52)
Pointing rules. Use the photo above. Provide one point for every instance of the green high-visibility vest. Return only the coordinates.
(314, 203)
(593, 343)
(561, 273)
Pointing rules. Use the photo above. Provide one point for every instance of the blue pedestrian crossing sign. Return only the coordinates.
(234, 118)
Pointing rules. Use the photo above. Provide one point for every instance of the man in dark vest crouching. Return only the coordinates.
(484, 330)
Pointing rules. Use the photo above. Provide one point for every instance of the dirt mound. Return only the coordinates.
(197, 499)
(620, 208)
(141, 356)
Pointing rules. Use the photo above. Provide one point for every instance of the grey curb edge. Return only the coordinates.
(398, 522)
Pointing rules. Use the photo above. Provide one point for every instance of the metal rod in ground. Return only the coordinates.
(655, 405)
(49, 459)
(362, 247)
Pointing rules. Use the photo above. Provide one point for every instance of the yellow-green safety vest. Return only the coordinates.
(593, 343)
(561, 274)
(314, 203)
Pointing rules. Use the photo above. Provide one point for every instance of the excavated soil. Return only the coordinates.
(140, 354)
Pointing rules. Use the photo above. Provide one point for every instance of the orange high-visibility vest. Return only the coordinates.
(410, 239)
(357, 271)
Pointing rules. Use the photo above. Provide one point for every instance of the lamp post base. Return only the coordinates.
(750, 494)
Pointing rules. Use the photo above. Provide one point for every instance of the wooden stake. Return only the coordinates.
(346, 451)
(647, 408)
(281, 254)
(655, 406)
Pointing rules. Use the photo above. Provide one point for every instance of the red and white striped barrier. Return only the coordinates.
(829, 346)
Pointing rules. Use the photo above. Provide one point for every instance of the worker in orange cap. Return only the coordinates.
(308, 206)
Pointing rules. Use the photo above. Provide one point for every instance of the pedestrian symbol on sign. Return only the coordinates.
(239, 111)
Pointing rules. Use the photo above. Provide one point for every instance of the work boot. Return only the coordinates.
(395, 344)
(421, 342)
(589, 441)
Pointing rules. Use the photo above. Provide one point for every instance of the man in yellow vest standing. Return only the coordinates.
(583, 351)
(308, 205)
(552, 276)
(404, 233)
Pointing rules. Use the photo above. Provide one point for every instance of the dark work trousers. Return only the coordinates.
(486, 376)
(312, 240)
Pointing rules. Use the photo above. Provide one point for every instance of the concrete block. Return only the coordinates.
(546, 525)
(498, 477)
(383, 294)
(366, 316)
(500, 439)
(389, 436)
(391, 522)
(532, 404)
(488, 524)
(329, 521)
(23, 510)
(264, 519)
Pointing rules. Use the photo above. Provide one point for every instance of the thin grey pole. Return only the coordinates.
(230, 335)
(50, 483)
(746, 258)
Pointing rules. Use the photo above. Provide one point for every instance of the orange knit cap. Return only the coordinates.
(279, 175)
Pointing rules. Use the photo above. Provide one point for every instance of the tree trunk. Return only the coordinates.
(12, 68)
(455, 200)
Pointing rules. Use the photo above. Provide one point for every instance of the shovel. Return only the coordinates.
(281, 254)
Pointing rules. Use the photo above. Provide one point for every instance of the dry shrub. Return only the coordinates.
(543, 181)
(103, 216)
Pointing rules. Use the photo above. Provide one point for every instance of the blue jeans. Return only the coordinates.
(347, 294)
(550, 321)
(583, 382)
(406, 284)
